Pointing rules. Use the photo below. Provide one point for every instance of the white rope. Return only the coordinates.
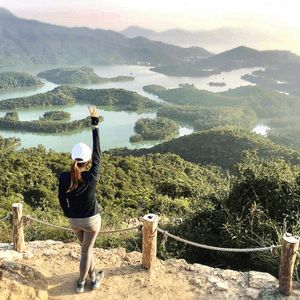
(165, 233)
(5, 218)
(69, 229)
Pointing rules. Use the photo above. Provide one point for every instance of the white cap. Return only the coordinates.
(82, 151)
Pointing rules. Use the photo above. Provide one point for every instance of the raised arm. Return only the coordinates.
(96, 159)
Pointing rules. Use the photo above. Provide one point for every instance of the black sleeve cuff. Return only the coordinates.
(95, 120)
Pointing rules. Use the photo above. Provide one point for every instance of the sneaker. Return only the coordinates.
(80, 287)
(96, 283)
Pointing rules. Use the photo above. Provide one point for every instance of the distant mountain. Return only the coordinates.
(244, 57)
(237, 58)
(31, 42)
(216, 40)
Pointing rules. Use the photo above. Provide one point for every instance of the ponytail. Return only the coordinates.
(75, 176)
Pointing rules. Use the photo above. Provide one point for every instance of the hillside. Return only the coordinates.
(222, 146)
(27, 42)
(237, 58)
(285, 78)
(49, 270)
(266, 103)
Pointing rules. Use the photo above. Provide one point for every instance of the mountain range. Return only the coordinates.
(28, 42)
(221, 39)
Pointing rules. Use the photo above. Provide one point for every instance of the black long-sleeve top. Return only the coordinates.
(81, 202)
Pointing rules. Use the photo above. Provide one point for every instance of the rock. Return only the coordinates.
(252, 294)
(16, 255)
(19, 281)
(28, 255)
(50, 252)
(4, 245)
(6, 255)
(260, 280)
(222, 286)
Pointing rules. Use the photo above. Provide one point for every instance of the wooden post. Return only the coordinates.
(149, 240)
(290, 246)
(18, 237)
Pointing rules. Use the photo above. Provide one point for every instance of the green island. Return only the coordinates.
(83, 75)
(190, 71)
(57, 115)
(69, 95)
(242, 106)
(154, 129)
(266, 103)
(11, 121)
(216, 83)
(224, 187)
(8, 143)
(203, 118)
(18, 79)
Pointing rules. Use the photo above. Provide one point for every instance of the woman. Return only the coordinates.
(78, 202)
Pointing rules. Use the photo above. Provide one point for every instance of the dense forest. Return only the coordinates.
(242, 106)
(203, 118)
(266, 103)
(154, 129)
(247, 205)
(18, 79)
(73, 75)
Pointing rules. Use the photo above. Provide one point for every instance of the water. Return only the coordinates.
(118, 126)
(261, 129)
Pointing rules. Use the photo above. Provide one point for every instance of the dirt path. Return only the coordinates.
(124, 276)
(49, 270)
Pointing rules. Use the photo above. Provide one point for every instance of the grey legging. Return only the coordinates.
(86, 230)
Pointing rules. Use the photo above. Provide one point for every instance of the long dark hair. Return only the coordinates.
(76, 174)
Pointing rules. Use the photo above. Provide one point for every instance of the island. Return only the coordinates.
(57, 115)
(154, 129)
(8, 143)
(83, 75)
(69, 95)
(217, 83)
(17, 80)
(11, 121)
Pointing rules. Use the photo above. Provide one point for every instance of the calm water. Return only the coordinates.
(117, 126)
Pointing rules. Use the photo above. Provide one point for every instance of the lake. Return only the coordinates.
(118, 126)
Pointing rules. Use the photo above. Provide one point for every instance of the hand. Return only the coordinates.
(94, 113)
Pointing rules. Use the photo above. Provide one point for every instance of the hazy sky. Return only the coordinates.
(159, 15)
(278, 19)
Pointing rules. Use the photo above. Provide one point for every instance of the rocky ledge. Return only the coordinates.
(49, 270)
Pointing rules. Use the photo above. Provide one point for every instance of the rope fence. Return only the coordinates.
(149, 229)
(5, 218)
(166, 234)
(69, 229)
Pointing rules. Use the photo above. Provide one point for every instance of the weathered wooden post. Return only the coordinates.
(290, 246)
(18, 236)
(149, 240)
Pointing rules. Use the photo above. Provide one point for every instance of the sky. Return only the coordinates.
(159, 15)
(280, 16)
